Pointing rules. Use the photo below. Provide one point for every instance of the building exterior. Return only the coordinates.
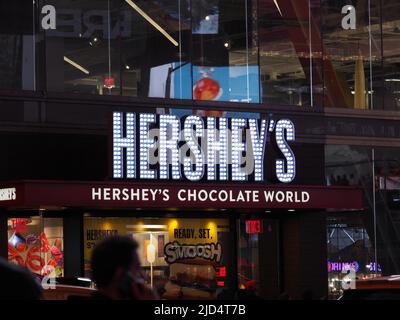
(287, 180)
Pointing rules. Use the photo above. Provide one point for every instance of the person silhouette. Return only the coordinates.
(17, 283)
(117, 271)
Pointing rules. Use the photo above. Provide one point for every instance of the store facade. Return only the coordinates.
(289, 172)
(208, 229)
(203, 252)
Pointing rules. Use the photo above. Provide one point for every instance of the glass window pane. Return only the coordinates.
(17, 45)
(225, 51)
(352, 56)
(258, 262)
(155, 49)
(285, 52)
(37, 244)
(190, 258)
(82, 52)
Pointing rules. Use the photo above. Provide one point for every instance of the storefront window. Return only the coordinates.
(37, 244)
(182, 258)
(82, 52)
(17, 45)
(225, 52)
(368, 238)
(285, 62)
(258, 258)
(305, 53)
(148, 71)
(112, 47)
(350, 253)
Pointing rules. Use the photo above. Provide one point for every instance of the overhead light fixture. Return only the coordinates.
(392, 80)
(369, 92)
(94, 41)
(146, 226)
(152, 22)
(279, 9)
(74, 64)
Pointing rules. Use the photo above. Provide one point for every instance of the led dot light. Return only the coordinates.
(258, 140)
(169, 139)
(193, 170)
(146, 143)
(238, 146)
(285, 128)
(215, 146)
(120, 143)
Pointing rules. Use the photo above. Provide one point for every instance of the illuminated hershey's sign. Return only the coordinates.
(151, 146)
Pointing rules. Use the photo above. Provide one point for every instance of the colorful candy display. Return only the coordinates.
(31, 252)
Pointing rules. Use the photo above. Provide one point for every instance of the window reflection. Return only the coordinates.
(391, 54)
(17, 45)
(351, 60)
(284, 52)
(278, 52)
(173, 275)
(82, 53)
(257, 265)
(156, 55)
(36, 243)
(370, 237)
(349, 250)
(225, 63)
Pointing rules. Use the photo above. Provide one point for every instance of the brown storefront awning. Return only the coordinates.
(168, 194)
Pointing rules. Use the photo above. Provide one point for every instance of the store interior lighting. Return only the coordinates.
(277, 6)
(147, 226)
(152, 22)
(76, 65)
